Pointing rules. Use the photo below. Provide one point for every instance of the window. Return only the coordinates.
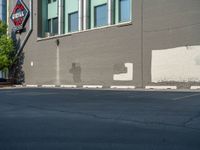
(73, 22)
(77, 15)
(50, 1)
(124, 10)
(55, 26)
(49, 26)
(71, 15)
(101, 15)
(3, 11)
(97, 13)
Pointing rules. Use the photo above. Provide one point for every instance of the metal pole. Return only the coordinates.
(30, 30)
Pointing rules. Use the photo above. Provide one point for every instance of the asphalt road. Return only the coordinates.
(60, 119)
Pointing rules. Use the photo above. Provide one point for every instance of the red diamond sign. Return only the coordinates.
(19, 15)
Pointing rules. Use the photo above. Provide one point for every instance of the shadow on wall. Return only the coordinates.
(119, 68)
(16, 70)
(76, 72)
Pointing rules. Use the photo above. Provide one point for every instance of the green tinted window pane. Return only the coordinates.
(101, 15)
(49, 26)
(124, 10)
(73, 22)
(55, 25)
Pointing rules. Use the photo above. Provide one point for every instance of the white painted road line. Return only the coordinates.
(161, 87)
(92, 86)
(187, 96)
(32, 86)
(195, 87)
(48, 86)
(68, 86)
(122, 87)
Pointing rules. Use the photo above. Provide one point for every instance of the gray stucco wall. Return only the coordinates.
(169, 24)
(94, 56)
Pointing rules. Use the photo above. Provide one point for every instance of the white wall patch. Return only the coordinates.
(180, 64)
(32, 64)
(128, 76)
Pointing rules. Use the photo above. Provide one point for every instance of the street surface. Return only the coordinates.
(61, 119)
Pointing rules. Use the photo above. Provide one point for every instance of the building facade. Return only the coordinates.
(3, 10)
(3, 17)
(111, 42)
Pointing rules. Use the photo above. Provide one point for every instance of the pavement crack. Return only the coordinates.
(120, 119)
(186, 123)
(115, 118)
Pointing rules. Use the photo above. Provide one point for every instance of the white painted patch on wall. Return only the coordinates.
(181, 64)
(125, 76)
(32, 64)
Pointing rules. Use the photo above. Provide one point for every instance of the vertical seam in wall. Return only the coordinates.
(142, 41)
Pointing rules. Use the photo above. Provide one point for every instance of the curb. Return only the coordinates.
(161, 87)
(106, 87)
(122, 87)
(68, 86)
(93, 86)
(48, 86)
(195, 87)
(32, 86)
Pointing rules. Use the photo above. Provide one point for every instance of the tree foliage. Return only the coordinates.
(3, 28)
(6, 48)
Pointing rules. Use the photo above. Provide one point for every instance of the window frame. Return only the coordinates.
(69, 21)
(50, 26)
(53, 26)
(120, 12)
